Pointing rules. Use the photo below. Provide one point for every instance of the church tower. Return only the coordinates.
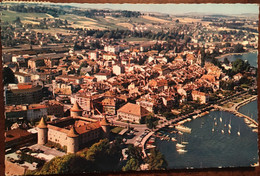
(76, 110)
(42, 132)
(105, 127)
(72, 141)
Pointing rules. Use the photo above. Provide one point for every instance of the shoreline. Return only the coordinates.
(204, 114)
(231, 54)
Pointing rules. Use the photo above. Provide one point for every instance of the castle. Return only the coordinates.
(74, 132)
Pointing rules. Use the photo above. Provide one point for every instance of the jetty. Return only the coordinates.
(236, 106)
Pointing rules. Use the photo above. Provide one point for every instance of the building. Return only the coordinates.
(132, 112)
(201, 96)
(36, 111)
(147, 103)
(18, 138)
(73, 132)
(23, 94)
(118, 69)
(55, 108)
(22, 77)
(103, 75)
(15, 112)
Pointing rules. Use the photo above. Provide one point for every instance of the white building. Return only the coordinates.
(117, 70)
(22, 77)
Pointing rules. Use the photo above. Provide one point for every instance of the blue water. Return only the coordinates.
(250, 110)
(250, 57)
(207, 149)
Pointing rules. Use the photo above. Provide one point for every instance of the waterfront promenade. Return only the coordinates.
(236, 106)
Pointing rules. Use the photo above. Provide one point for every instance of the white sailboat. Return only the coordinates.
(220, 119)
(238, 133)
(229, 125)
(229, 131)
(178, 146)
(222, 131)
(181, 151)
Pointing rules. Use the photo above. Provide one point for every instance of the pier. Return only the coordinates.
(236, 106)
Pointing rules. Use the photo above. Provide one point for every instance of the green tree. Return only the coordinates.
(238, 48)
(156, 160)
(131, 164)
(134, 159)
(226, 61)
(66, 164)
(105, 156)
(151, 121)
(240, 66)
(8, 75)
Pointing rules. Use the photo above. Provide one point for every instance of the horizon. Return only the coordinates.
(177, 9)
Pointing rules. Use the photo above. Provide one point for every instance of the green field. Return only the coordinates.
(10, 16)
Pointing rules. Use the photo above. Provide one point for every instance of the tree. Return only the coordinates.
(238, 48)
(240, 66)
(131, 164)
(134, 158)
(226, 61)
(105, 156)
(8, 75)
(66, 164)
(156, 160)
(151, 121)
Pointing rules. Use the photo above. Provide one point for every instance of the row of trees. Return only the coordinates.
(102, 156)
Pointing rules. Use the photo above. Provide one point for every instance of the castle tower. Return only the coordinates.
(72, 141)
(76, 110)
(105, 127)
(42, 132)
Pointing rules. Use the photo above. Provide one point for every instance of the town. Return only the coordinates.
(88, 91)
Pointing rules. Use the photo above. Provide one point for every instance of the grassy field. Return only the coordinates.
(117, 130)
(136, 39)
(101, 23)
(11, 16)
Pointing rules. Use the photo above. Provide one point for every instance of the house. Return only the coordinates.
(201, 96)
(118, 69)
(22, 77)
(103, 75)
(132, 112)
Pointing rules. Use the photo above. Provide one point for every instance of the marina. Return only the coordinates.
(212, 145)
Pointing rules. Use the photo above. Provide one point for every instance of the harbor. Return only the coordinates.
(229, 142)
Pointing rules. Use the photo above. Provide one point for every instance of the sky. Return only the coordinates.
(227, 9)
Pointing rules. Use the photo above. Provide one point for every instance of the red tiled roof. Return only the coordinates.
(134, 109)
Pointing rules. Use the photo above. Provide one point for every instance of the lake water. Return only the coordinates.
(211, 149)
(207, 148)
(250, 57)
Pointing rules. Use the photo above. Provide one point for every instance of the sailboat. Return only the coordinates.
(213, 128)
(238, 133)
(220, 119)
(222, 131)
(178, 146)
(229, 125)
(216, 123)
(181, 151)
(229, 131)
